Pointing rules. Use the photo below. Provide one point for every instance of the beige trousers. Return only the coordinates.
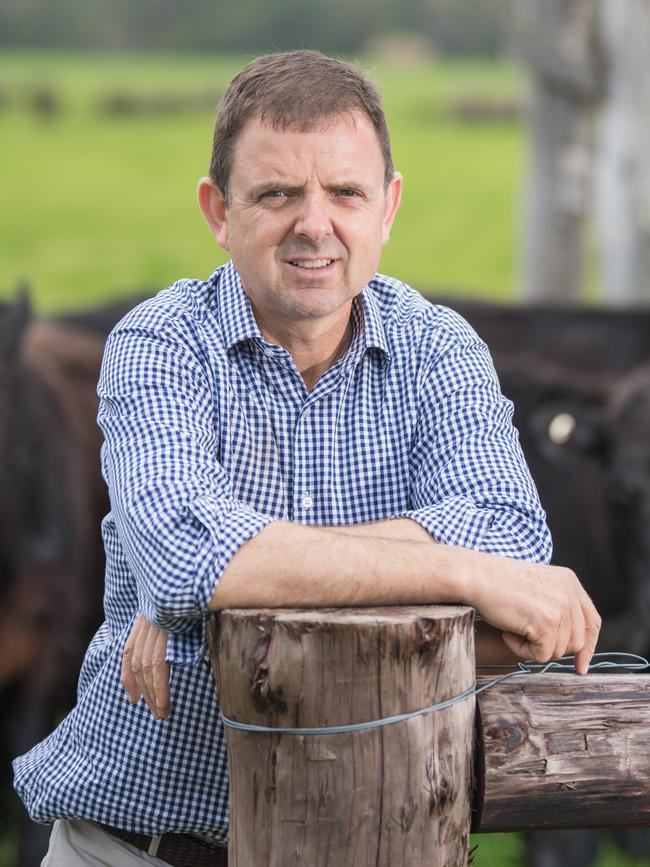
(76, 844)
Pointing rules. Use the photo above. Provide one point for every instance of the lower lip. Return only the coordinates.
(314, 273)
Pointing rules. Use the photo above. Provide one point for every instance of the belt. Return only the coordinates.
(179, 850)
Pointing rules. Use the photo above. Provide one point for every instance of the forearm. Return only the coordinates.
(542, 610)
(398, 529)
(294, 565)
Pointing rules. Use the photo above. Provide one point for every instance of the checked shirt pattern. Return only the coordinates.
(210, 434)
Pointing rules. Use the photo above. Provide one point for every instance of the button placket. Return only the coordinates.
(302, 482)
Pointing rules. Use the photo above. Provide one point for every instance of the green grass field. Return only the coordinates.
(97, 206)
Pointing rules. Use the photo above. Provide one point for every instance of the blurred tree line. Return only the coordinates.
(455, 27)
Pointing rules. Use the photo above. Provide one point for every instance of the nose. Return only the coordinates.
(313, 221)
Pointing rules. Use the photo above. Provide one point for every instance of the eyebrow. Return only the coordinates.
(279, 184)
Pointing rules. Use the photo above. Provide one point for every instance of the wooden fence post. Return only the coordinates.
(395, 796)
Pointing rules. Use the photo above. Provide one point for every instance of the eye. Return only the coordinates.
(274, 197)
(348, 193)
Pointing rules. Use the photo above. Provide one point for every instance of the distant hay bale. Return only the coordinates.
(400, 49)
(485, 108)
(126, 102)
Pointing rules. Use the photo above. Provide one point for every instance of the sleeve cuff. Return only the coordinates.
(187, 648)
(454, 522)
(509, 534)
(234, 527)
(187, 641)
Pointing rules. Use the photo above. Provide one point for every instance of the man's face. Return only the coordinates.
(307, 219)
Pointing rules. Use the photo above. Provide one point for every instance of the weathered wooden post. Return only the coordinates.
(392, 796)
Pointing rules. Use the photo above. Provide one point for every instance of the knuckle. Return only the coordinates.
(549, 622)
(542, 653)
(574, 645)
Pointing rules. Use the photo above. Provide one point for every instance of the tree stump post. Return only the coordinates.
(395, 796)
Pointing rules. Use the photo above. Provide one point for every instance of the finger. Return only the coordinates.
(592, 631)
(518, 645)
(160, 674)
(137, 657)
(536, 646)
(147, 684)
(577, 640)
(127, 676)
(563, 635)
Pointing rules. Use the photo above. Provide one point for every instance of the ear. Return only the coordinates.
(392, 200)
(563, 431)
(215, 210)
(14, 319)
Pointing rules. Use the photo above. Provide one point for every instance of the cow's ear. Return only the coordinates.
(563, 431)
(13, 321)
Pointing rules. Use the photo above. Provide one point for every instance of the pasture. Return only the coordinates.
(99, 204)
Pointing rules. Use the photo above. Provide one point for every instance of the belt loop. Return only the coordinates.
(153, 846)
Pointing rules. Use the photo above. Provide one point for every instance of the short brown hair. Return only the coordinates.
(293, 90)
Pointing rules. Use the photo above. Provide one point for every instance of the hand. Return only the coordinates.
(543, 611)
(144, 669)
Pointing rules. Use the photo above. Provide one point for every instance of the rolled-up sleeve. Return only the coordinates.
(177, 521)
(470, 485)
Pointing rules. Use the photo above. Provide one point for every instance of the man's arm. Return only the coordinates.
(543, 611)
(172, 503)
(469, 482)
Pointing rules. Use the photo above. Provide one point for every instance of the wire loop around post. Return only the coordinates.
(606, 662)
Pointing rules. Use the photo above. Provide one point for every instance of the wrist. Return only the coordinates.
(466, 573)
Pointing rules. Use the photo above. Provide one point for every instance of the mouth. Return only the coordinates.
(314, 266)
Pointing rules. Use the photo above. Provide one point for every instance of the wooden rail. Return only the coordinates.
(563, 751)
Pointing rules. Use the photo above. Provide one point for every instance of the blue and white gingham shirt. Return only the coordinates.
(210, 434)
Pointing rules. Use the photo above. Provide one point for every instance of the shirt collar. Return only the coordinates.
(238, 321)
(374, 333)
(234, 307)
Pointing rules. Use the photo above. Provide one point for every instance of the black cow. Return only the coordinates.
(52, 499)
(580, 382)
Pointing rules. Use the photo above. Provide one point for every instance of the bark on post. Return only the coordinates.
(396, 796)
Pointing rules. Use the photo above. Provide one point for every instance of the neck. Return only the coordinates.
(313, 347)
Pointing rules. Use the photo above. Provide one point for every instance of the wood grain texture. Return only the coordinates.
(563, 751)
(397, 796)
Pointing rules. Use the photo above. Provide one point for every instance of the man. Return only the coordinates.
(296, 431)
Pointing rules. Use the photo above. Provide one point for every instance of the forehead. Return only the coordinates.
(345, 145)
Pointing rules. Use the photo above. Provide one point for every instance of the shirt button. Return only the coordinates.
(307, 502)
